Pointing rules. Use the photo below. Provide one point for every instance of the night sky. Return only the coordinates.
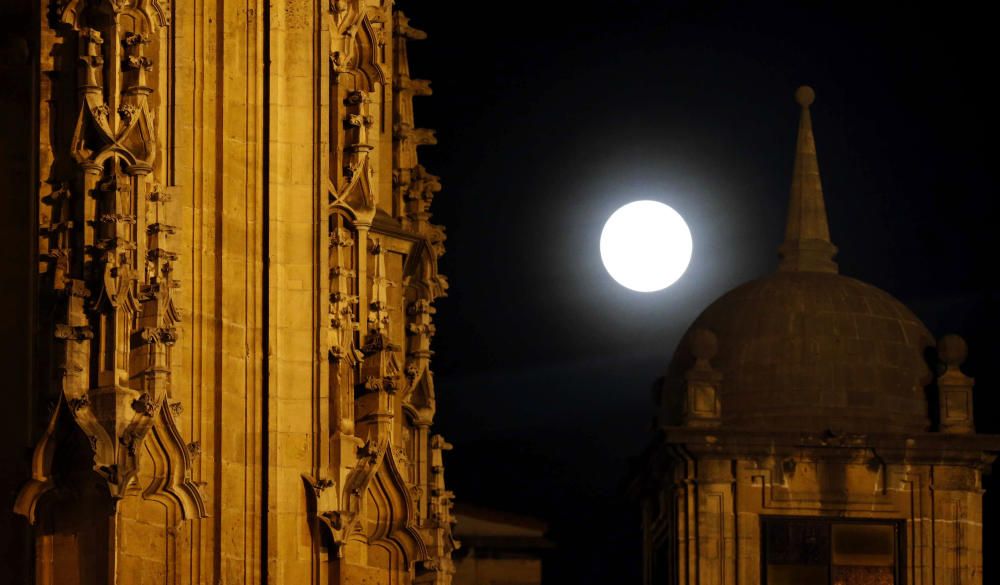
(551, 114)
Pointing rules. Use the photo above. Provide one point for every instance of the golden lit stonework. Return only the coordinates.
(236, 276)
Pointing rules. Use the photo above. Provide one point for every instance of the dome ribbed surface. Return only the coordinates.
(814, 351)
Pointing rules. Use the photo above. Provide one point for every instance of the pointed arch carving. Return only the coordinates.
(380, 488)
(156, 11)
(422, 268)
(171, 460)
(370, 46)
(419, 401)
(106, 258)
(391, 513)
(374, 505)
(357, 44)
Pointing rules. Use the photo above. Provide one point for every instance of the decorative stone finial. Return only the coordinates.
(807, 246)
(704, 344)
(702, 404)
(805, 96)
(954, 387)
(952, 350)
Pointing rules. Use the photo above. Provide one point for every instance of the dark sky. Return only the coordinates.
(552, 114)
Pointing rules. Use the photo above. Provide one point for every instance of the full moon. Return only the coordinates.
(646, 246)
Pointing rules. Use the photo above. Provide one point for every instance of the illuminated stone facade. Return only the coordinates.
(223, 280)
(802, 437)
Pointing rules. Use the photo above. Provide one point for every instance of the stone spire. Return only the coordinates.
(807, 246)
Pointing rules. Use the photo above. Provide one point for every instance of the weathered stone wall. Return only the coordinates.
(711, 532)
(231, 294)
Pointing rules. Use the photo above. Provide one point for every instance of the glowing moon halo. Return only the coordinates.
(646, 246)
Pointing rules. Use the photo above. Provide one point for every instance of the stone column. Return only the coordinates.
(957, 500)
(716, 525)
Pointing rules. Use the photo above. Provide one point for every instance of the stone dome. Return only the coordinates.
(805, 348)
(814, 351)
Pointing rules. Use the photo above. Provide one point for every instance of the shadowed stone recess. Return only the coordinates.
(814, 351)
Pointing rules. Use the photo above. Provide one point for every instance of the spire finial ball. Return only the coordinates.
(805, 96)
(704, 344)
(952, 350)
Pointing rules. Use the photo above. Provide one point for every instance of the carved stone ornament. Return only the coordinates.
(107, 268)
(954, 387)
(702, 401)
(375, 480)
(382, 265)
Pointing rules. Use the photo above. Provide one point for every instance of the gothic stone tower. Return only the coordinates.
(803, 439)
(219, 282)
